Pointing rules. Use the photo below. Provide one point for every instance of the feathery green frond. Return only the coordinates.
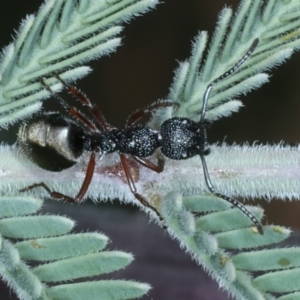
(60, 38)
(215, 239)
(276, 25)
(63, 256)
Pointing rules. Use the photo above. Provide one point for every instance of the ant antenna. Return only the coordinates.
(226, 74)
(234, 202)
(208, 182)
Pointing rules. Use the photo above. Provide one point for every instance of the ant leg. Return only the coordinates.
(149, 164)
(132, 187)
(226, 74)
(83, 189)
(137, 115)
(74, 112)
(52, 194)
(88, 178)
(99, 117)
(234, 202)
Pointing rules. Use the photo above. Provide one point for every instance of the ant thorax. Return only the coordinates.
(138, 140)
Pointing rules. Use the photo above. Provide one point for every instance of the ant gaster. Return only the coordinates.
(55, 142)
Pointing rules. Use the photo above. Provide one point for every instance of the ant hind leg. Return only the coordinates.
(53, 194)
(84, 187)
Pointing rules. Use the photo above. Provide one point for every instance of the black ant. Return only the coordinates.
(55, 142)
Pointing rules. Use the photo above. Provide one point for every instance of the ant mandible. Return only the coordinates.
(62, 141)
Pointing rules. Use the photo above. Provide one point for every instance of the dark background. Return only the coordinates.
(139, 73)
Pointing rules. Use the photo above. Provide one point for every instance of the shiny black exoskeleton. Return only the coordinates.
(183, 138)
(178, 138)
(55, 142)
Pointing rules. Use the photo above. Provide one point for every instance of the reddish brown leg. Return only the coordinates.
(132, 187)
(53, 194)
(149, 164)
(74, 112)
(83, 189)
(88, 178)
(85, 100)
(137, 115)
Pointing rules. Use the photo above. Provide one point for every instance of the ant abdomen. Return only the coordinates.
(51, 141)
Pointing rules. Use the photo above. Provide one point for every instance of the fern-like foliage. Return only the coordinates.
(60, 255)
(211, 238)
(218, 237)
(215, 238)
(274, 22)
(59, 38)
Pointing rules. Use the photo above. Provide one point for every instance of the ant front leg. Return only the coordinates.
(132, 187)
(82, 191)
